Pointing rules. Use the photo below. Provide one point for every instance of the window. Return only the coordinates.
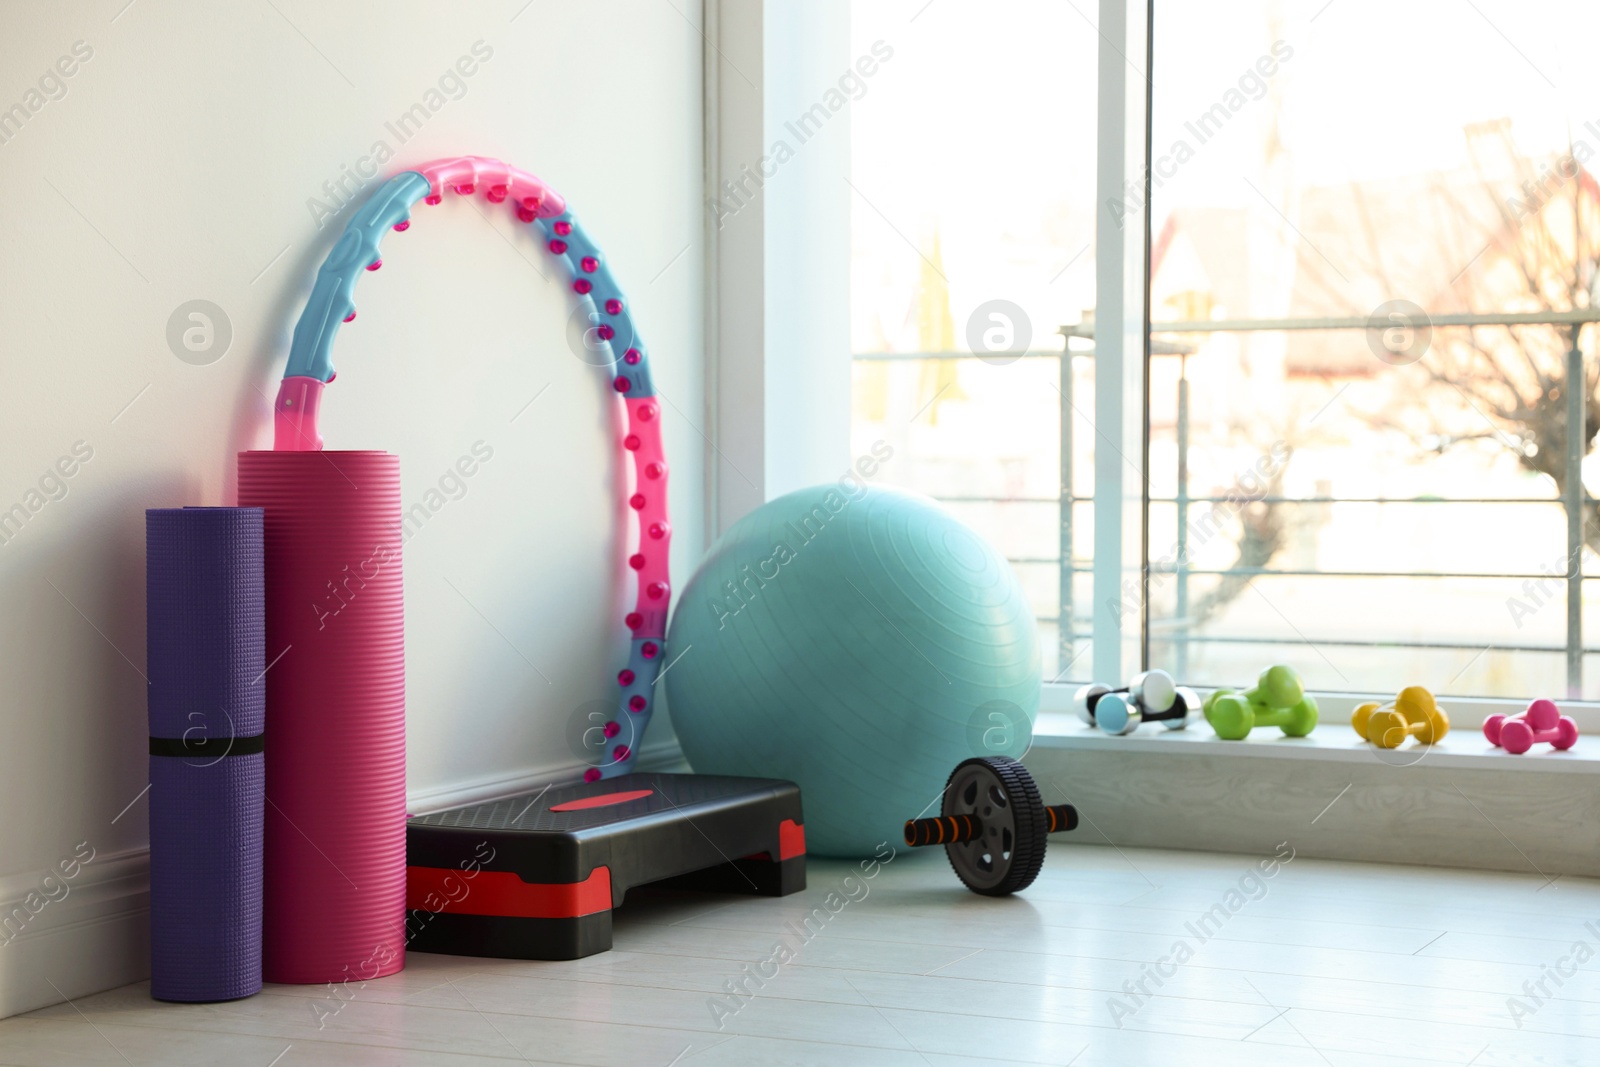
(1373, 259)
(1341, 468)
(972, 230)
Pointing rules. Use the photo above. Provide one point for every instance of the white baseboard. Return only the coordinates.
(97, 936)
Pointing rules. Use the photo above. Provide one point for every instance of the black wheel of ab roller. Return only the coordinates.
(992, 825)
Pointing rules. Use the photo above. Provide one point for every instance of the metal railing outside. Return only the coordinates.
(1178, 629)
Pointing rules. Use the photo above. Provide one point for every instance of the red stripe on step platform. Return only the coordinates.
(791, 839)
(603, 800)
(504, 893)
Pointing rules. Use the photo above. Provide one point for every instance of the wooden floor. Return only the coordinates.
(1325, 963)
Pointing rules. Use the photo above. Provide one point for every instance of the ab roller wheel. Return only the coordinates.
(992, 825)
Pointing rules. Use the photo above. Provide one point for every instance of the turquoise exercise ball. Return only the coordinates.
(860, 642)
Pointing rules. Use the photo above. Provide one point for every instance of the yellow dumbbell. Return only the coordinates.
(1363, 715)
(1414, 713)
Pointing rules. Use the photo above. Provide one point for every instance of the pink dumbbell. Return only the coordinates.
(1542, 721)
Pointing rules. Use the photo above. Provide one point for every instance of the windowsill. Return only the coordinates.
(1331, 741)
(1464, 748)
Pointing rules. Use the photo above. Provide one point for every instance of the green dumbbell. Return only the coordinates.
(1278, 699)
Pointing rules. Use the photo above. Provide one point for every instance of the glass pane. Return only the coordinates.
(971, 227)
(1344, 479)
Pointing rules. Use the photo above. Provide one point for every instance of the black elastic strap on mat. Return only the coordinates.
(213, 747)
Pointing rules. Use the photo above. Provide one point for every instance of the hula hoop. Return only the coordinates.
(332, 304)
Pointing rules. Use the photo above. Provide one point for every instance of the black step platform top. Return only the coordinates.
(610, 803)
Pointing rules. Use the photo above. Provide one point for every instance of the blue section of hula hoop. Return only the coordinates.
(333, 295)
(605, 288)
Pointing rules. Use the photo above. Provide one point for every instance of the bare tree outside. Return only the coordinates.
(1531, 242)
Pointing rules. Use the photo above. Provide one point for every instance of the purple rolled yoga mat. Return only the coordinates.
(207, 654)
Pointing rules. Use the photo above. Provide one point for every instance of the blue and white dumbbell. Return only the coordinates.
(1150, 697)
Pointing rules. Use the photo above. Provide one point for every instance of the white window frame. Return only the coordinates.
(1121, 339)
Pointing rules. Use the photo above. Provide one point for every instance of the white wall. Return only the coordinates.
(179, 165)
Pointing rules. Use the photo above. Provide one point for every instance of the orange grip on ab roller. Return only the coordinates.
(944, 830)
(1060, 818)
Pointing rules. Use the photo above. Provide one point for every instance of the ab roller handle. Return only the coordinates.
(946, 829)
(956, 829)
(1061, 817)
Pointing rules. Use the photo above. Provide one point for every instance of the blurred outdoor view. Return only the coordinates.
(1378, 505)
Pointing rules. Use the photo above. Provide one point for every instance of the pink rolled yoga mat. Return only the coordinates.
(335, 868)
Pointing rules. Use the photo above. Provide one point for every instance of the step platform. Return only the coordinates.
(535, 876)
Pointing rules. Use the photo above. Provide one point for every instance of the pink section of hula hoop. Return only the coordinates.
(294, 415)
(493, 176)
(655, 531)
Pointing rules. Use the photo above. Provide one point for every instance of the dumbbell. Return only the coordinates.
(1362, 715)
(1361, 718)
(1542, 722)
(1152, 691)
(1150, 697)
(1414, 713)
(1277, 699)
(1116, 714)
(992, 825)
